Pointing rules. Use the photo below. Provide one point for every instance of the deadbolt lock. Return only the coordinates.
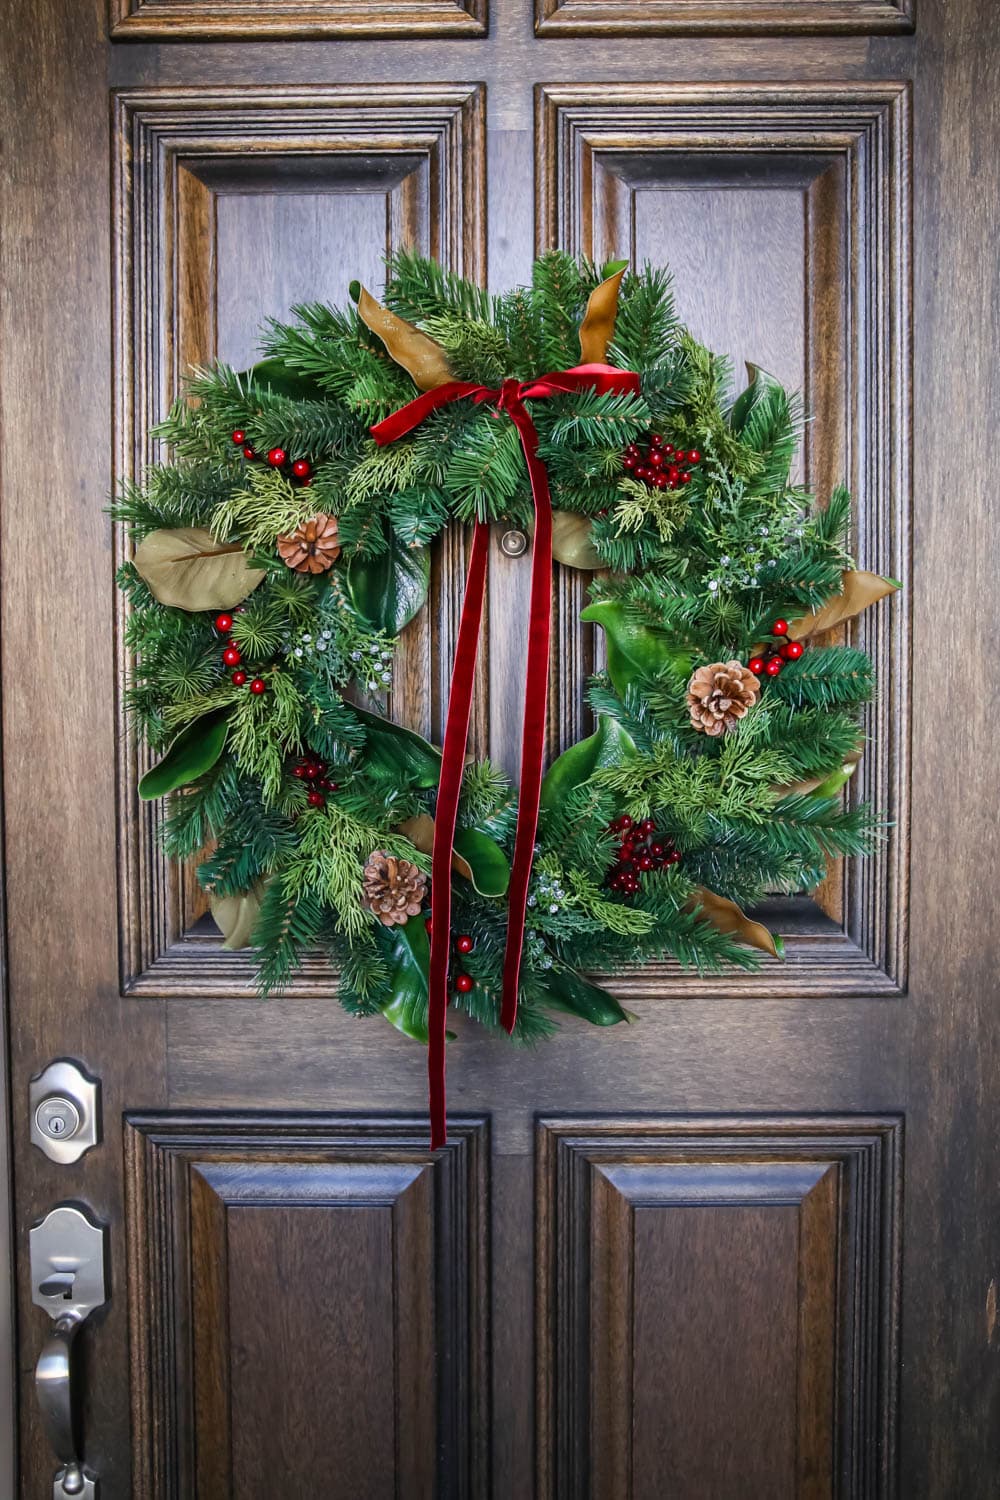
(64, 1104)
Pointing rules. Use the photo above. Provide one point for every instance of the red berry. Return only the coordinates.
(756, 665)
(656, 459)
(629, 461)
(642, 472)
(674, 858)
(648, 825)
(239, 437)
(316, 798)
(302, 468)
(224, 623)
(780, 627)
(310, 770)
(624, 821)
(668, 448)
(464, 983)
(258, 685)
(661, 481)
(276, 457)
(464, 944)
(656, 440)
(231, 656)
(645, 862)
(239, 678)
(774, 666)
(673, 474)
(428, 925)
(300, 770)
(793, 650)
(694, 457)
(248, 452)
(686, 477)
(679, 455)
(657, 850)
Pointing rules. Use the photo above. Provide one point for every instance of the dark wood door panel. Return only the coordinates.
(721, 17)
(717, 1308)
(173, 19)
(308, 1307)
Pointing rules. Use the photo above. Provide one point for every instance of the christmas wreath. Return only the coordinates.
(284, 548)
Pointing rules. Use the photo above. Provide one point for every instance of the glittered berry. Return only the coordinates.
(239, 437)
(239, 678)
(276, 457)
(464, 944)
(793, 650)
(756, 665)
(248, 452)
(231, 656)
(258, 686)
(224, 623)
(694, 457)
(780, 627)
(774, 666)
(316, 798)
(464, 983)
(302, 468)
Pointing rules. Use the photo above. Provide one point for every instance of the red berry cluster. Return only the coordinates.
(462, 944)
(310, 768)
(639, 852)
(276, 457)
(771, 664)
(662, 466)
(232, 656)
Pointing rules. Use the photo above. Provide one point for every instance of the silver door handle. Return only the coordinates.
(67, 1275)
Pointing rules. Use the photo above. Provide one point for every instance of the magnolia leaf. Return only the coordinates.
(392, 750)
(285, 382)
(188, 569)
(485, 863)
(608, 746)
(235, 916)
(421, 357)
(598, 326)
(389, 589)
(474, 855)
(726, 916)
(634, 651)
(760, 383)
(189, 755)
(571, 540)
(408, 951)
(569, 991)
(827, 785)
(858, 590)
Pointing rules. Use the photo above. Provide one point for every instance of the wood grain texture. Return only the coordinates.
(308, 1307)
(717, 1304)
(172, 20)
(633, 18)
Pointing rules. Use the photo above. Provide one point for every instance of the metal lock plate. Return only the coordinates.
(67, 1264)
(60, 1492)
(65, 1105)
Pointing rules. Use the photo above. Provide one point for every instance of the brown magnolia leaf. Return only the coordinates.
(858, 590)
(188, 569)
(726, 916)
(598, 326)
(420, 356)
(235, 916)
(571, 540)
(420, 832)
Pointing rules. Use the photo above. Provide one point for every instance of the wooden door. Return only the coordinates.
(747, 1247)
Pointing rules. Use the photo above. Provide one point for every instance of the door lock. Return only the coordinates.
(64, 1104)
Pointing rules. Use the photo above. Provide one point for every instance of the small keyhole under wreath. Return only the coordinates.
(284, 548)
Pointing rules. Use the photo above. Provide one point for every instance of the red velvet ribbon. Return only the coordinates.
(510, 398)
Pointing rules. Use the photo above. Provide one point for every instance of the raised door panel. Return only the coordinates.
(717, 1308)
(720, 17)
(233, 205)
(174, 19)
(783, 212)
(307, 1302)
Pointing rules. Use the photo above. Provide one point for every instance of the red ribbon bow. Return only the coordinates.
(509, 398)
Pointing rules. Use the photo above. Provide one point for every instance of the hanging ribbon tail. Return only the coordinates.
(446, 812)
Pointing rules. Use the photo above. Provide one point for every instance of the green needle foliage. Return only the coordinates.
(314, 776)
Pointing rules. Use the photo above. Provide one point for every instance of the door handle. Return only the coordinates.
(67, 1278)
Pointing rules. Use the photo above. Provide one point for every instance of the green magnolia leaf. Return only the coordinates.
(634, 651)
(571, 992)
(835, 781)
(760, 383)
(393, 751)
(608, 746)
(194, 751)
(488, 866)
(408, 950)
(389, 589)
(285, 382)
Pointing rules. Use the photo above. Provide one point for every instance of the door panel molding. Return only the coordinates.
(211, 187)
(674, 1256)
(634, 18)
(613, 161)
(378, 1251)
(171, 20)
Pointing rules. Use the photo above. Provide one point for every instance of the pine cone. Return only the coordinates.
(312, 547)
(394, 888)
(718, 696)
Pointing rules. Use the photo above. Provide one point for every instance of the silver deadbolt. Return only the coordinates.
(64, 1105)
